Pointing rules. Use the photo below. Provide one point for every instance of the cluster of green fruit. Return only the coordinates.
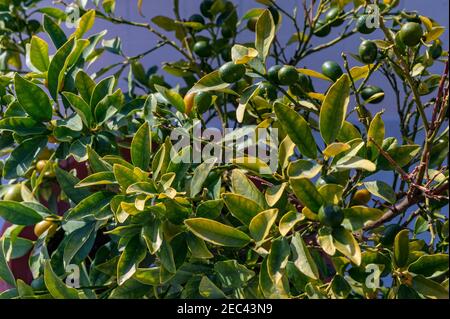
(333, 18)
(203, 46)
(298, 83)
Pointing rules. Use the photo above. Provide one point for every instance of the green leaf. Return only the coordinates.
(382, 190)
(108, 106)
(152, 234)
(67, 183)
(278, 258)
(348, 132)
(33, 99)
(166, 257)
(265, 33)
(100, 178)
(84, 24)
(401, 248)
(57, 288)
(20, 159)
(273, 194)
(141, 147)
(124, 176)
(346, 244)
(209, 82)
(76, 240)
(376, 133)
(210, 209)
(334, 109)
(325, 240)
(402, 155)
(242, 208)
(429, 288)
(430, 265)
(302, 257)
(5, 272)
(232, 274)
(81, 107)
(307, 193)
(201, 172)
(217, 233)
(357, 216)
(209, 290)
(18, 214)
(22, 126)
(297, 128)
(288, 221)
(85, 85)
(269, 288)
(261, 224)
(355, 162)
(101, 90)
(304, 168)
(129, 260)
(57, 68)
(54, 31)
(197, 247)
(89, 206)
(340, 287)
(172, 97)
(331, 193)
(39, 54)
(148, 276)
(243, 186)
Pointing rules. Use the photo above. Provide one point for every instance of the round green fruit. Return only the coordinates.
(368, 51)
(390, 231)
(331, 215)
(362, 25)
(230, 72)
(287, 75)
(322, 29)
(196, 18)
(202, 49)
(251, 24)
(370, 91)
(14, 193)
(435, 51)
(202, 101)
(333, 17)
(272, 73)
(332, 70)
(268, 91)
(411, 33)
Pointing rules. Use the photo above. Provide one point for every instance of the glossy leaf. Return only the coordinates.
(217, 233)
(401, 248)
(57, 288)
(382, 190)
(297, 128)
(261, 224)
(240, 207)
(302, 257)
(141, 147)
(33, 99)
(346, 244)
(307, 193)
(334, 109)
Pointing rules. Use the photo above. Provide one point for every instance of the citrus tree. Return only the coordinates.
(91, 165)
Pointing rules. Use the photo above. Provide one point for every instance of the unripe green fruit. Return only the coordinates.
(368, 51)
(331, 215)
(411, 33)
(251, 24)
(322, 29)
(435, 51)
(230, 72)
(197, 18)
(268, 91)
(14, 193)
(371, 90)
(272, 73)
(202, 49)
(361, 25)
(332, 70)
(390, 232)
(287, 75)
(202, 101)
(332, 16)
